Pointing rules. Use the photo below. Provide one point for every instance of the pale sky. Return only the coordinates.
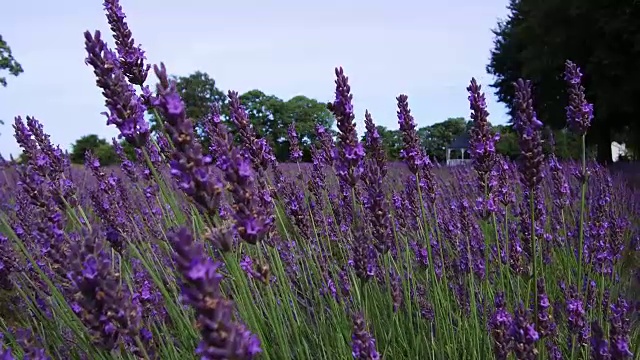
(427, 49)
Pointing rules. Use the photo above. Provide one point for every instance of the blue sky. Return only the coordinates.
(427, 49)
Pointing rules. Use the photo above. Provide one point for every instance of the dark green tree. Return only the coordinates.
(599, 35)
(266, 113)
(435, 138)
(8, 62)
(100, 148)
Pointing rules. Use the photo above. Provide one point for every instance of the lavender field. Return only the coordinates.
(217, 251)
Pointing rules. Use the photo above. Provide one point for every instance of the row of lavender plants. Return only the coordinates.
(222, 253)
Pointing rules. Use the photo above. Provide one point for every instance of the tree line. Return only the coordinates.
(271, 117)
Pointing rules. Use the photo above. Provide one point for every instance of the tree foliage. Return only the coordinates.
(269, 115)
(8, 62)
(100, 148)
(601, 36)
(435, 138)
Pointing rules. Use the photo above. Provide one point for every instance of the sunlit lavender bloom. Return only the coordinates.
(131, 57)
(126, 110)
(482, 144)
(499, 324)
(189, 166)
(363, 345)
(350, 151)
(222, 337)
(294, 150)
(579, 111)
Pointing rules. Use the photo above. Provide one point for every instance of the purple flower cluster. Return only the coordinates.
(189, 165)
(222, 337)
(131, 57)
(482, 144)
(579, 111)
(363, 344)
(294, 150)
(350, 151)
(126, 110)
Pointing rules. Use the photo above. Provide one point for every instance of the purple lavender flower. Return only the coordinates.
(189, 166)
(529, 132)
(523, 335)
(619, 330)
(363, 255)
(363, 344)
(252, 220)
(482, 144)
(350, 152)
(377, 207)
(576, 315)
(258, 150)
(222, 337)
(410, 153)
(373, 144)
(546, 325)
(126, 110)
(599, 346)
(105, 305)
(131, 57)
(579, 111)
(500, 323)
(295, 152)
(418, 163)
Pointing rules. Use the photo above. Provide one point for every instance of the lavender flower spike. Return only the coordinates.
(482, 142)
(411, 153)
(579, 111)
(131, 56)
(363, 344)
(529, 131)
(222, 337)
(126, 110)
(189, 166)
(350, 151)
(373, 144)
(296, 153)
